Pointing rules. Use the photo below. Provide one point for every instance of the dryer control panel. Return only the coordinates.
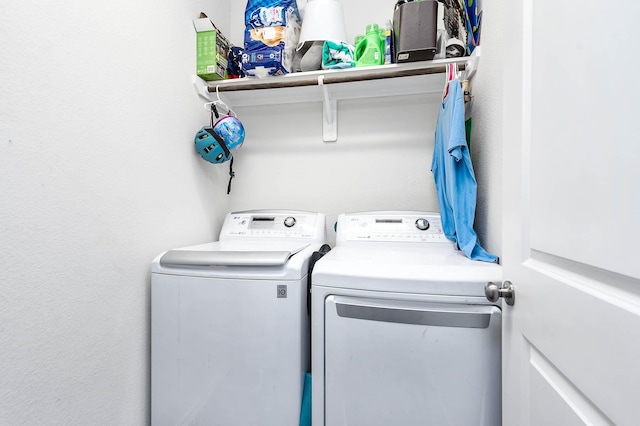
(273, 224)
(401, 227)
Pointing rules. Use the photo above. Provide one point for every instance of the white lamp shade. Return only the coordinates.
(323, 20)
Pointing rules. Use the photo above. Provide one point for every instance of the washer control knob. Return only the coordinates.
(289, 221)
(422, 224)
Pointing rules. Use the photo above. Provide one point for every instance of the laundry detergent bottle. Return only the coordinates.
(370, 51)
(357, 41)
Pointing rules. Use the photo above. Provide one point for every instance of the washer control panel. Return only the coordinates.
(421, 227)
(269, 224)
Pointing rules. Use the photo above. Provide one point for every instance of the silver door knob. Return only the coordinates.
(506, 291)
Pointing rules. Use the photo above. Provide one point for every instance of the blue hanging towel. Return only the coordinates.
(453, 173)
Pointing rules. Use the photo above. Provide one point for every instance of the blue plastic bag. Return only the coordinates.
(272, 29)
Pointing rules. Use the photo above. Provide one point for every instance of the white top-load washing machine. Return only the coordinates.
(402, 333)
(229, 323)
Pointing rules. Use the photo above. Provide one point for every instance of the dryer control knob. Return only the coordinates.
(289, 221)
(422, 224)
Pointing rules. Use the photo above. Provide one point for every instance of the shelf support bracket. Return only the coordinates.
(202, 89)
(472, 64)
(329, 113)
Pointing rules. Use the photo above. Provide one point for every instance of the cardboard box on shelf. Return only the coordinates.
(212, 50)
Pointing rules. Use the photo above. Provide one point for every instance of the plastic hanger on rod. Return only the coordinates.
(452, 72)
(213, 105)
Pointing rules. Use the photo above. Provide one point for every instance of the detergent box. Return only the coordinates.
(212, 50)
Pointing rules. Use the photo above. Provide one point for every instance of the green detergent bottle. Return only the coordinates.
(357, 41)
(369, 51)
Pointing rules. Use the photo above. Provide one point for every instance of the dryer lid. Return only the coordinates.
(427, 270)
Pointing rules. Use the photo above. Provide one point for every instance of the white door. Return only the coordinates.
(571, 342)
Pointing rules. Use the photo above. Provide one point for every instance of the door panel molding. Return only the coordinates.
(618, 289)
(563, 402)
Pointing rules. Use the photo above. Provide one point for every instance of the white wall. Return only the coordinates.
(99, 175)
(357, 15)
(486, 145)
(381, 161)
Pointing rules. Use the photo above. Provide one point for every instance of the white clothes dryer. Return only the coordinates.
(230, 324)
(402, 333)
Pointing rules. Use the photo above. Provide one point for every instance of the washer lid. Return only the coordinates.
(260, 260)
(219, 254)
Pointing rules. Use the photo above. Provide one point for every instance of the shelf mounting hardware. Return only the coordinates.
(201, 88)
(329, 113)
